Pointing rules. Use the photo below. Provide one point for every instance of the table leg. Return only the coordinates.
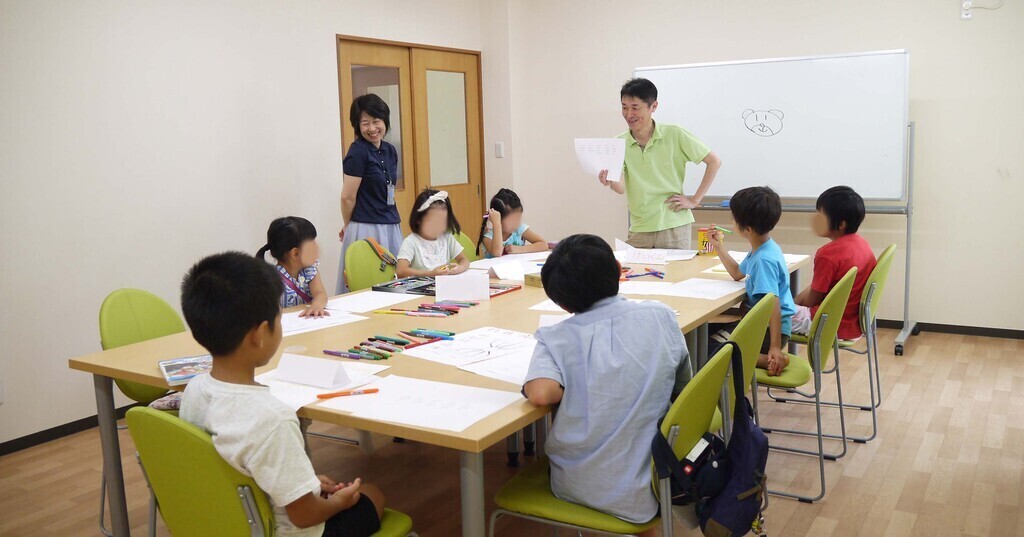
(111, 447)
(702, 345)
(794, 289)
(471, 474)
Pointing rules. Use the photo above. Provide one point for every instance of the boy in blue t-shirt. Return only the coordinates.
(756, 211)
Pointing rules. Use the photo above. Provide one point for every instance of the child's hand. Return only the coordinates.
(715, 237)
(443, 270)
(327, 486)
(314, 313)
(603, 177)
(512, 249)
(493, 218)
(348, 495)
(777, 362)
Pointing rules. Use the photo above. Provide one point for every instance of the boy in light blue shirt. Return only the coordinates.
(756, 211)
(611, 369)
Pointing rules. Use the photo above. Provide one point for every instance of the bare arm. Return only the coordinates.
(810, 298)
(311, 509)
(404, 269)
(680, 201)
(349, 188)
(316, 307)
(536, 244)
(717, 238)
(462, 264)
(543, 392)
(496, 244)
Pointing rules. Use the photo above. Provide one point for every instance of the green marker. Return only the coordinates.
(723, 230)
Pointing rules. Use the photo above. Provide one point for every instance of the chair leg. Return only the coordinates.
(878, 367)
(103, 505)
(530, 440)
(152, 513)
(512, 448)
(820, 453)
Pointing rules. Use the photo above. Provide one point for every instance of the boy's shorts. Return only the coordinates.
(802, 320)
(360, 520)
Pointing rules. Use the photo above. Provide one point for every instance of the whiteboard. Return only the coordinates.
(799, 125)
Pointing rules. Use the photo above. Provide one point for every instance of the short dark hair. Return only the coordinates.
(641, 88)
(506, 202)
(224, 296)
(581, 271)
(416, 216)
(286, 233)
(373, 106)
(756, 207)
(842, 204)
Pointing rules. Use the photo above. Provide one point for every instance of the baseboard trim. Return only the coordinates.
(54, 433)
(982, 331)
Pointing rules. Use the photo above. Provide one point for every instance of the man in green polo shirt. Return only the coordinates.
(653, 172)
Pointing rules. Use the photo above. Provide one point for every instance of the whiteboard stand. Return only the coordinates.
(910, 327)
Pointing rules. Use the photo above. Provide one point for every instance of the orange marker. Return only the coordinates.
(349, 392)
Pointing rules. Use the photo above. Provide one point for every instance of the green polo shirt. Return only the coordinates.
(654, 173)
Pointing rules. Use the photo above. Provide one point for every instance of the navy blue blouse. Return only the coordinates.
(378, 168)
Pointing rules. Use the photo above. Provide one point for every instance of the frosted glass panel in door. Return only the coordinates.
(446, 117)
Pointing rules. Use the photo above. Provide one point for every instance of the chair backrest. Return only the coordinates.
(130, 316)
(693, 410)
(749, 335)
(879, 275)
(825, 324)
(468, 247)
(363, 267)
(198, 491)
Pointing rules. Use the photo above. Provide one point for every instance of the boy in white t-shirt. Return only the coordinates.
(231, 302)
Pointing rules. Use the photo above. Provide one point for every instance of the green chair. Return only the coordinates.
(468, 247)
(363, 269)
(870, 298)
(528, 495)
(800, 371)
(198, 492)
(130, 316)
(749, 336)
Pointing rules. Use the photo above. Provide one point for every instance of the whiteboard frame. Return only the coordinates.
(906, 103)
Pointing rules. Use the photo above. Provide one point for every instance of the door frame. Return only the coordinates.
(480, 98)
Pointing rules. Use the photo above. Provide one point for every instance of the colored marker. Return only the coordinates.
(348, 392)
(396, 341)
(723, 230)
(417, 344)
(345, 355)
(432, 331)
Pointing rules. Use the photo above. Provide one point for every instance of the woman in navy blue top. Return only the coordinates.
(371, 173)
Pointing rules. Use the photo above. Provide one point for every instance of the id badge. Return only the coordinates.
(391, 194)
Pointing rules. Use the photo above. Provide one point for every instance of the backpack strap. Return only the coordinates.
(667, 465)
(385, 256)
(291, 285)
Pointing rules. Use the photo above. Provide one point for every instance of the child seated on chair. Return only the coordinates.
(840, 213)
(432, 249)
(610, 369)
(231, 301)
(291, 240)
(756, 211)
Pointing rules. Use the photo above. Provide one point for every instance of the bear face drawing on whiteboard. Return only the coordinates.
(763, 122)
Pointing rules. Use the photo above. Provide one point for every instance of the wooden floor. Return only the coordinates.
(948, 461)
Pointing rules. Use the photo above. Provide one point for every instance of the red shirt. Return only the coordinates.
(831, 263)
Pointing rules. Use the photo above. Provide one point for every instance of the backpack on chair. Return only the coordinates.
(738, 509)
(385, 256)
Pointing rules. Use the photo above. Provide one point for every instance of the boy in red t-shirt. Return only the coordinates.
(840, 213)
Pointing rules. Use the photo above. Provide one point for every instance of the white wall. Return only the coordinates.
(136, 138)
(569, 58)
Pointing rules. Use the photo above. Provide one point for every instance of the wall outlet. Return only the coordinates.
(499, 150)
(967, 10)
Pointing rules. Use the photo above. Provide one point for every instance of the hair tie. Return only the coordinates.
(440, 195)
